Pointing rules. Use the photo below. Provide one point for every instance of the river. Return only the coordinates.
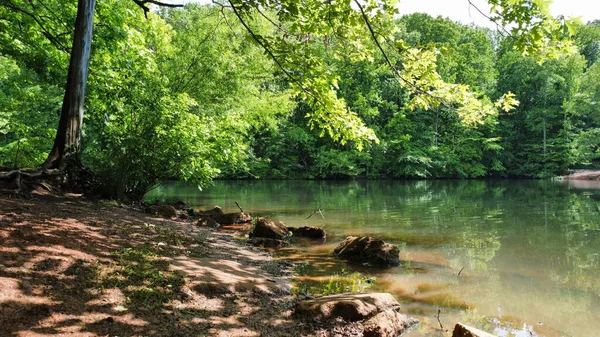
(529, 251)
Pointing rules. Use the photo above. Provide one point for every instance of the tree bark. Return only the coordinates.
(68, 136)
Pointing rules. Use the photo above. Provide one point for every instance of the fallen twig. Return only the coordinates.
(461, 269)
(438, 319)
(318, 210)
(240, 207)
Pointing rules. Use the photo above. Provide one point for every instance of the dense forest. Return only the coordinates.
(189, 93)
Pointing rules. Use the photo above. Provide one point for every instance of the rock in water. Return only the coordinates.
(310, 232)
(378, 313)
(233, 218)
(462, 330)
(166, 211)
(365, 249)
(225, 219)
(216, 211)
(272, 229)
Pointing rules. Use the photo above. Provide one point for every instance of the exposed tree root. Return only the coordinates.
(21, 183)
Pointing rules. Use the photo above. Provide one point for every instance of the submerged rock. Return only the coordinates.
(272, 229)
(462, 330)
(309, 232)
(378, 313)
(166, 211)
(367, 250)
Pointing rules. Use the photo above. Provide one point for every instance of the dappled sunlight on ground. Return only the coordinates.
(79, 268)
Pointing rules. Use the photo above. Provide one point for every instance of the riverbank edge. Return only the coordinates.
(68, 266)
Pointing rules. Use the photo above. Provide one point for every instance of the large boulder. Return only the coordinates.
(462, 330)
(367, 250)
(272, 229)
(378, 313)
(166, 211)
(309, 232)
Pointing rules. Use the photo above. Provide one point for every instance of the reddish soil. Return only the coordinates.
(70, 266)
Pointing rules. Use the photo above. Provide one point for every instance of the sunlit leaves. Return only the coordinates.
(507, 102)
(535, 31)
(429, 91)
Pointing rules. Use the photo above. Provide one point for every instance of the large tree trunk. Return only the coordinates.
(68, 136)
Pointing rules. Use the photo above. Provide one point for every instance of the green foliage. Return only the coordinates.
(537, 136)
(141, 131)
(535, 32)
(148, 121)
(585, 115)
(587, 40)
(28, 113)
(183, 94)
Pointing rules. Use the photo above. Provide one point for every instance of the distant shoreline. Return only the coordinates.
(583, 175)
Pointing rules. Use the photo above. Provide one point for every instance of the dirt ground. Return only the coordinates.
(74, 267)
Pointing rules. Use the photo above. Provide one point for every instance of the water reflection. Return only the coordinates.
(529, 249)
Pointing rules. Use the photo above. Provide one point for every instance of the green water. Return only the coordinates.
(529, 250)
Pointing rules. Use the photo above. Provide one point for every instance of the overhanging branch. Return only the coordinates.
(389, 62)
(144, 5)
(52, 38)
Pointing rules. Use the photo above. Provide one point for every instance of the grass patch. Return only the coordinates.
(342, 282)
(143, 276)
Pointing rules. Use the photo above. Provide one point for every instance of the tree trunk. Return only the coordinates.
(544, 125)
(68, 136)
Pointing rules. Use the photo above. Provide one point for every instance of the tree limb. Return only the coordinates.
(501, 27)
(389, 62)
(144, 5)
(53, 39)
(36, 174)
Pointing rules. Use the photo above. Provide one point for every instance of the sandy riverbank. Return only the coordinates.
(70, 266)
